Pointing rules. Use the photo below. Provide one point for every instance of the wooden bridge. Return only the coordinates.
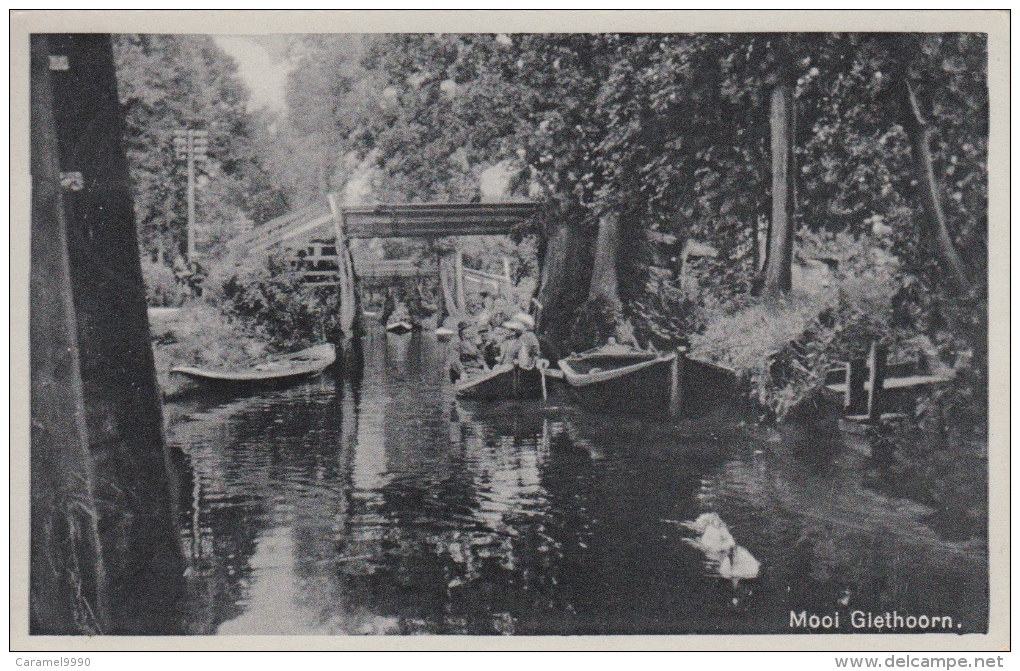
(428, 220)
(324, 268)
(307, 232)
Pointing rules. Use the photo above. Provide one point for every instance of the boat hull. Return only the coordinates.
(502, 384)
(299, 366)
(644, 392)
(399, 328)
(706, 388)
(644, 386)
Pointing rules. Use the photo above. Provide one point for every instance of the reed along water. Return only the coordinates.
(387, 506)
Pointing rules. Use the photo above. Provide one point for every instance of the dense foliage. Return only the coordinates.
(171, 82)
(638, 144)
(670, 134)
(270, 298)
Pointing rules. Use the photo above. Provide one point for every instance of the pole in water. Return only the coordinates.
(676, 380)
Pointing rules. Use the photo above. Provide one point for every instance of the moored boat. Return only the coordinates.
(504, 382)
(619, 379)
(399, 327)
(281, 370)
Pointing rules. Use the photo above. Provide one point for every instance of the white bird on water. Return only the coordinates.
(730, 560)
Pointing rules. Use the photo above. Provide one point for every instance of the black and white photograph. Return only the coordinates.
(509, 332)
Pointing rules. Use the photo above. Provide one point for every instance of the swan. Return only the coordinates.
(730, 560)
(739, 564)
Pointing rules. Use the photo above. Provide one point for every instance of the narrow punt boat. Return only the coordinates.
(504, 382)
(618, 379)
(399, 327)
(292, 367)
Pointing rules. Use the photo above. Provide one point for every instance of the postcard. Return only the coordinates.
(510, 330)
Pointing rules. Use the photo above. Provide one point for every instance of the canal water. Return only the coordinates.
(387, 506)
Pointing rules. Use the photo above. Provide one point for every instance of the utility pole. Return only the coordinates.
(191, 145)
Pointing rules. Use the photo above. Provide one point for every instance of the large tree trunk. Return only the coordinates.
(779, 260)
(68, 587)
(566, 273)
(604, 285)
(133, 487)
(935, 227)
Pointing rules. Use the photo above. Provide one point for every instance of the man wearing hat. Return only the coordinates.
(523, 348)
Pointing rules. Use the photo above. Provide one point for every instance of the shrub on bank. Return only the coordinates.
(782, 347)
(161, 286)
(269, 297)
(670, 312)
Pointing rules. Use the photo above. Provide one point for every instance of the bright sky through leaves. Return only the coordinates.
(261, 73)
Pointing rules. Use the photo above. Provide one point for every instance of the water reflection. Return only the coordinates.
(388, 506)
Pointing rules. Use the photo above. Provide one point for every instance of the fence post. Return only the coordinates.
(855, 399)
(876, 378)
(509, 284)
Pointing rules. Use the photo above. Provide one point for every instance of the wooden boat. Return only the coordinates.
(621, 380)
(618, 379)
(292, 367)
(399, 327)
(504, 382)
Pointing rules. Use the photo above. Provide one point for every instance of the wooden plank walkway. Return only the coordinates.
(436, 219)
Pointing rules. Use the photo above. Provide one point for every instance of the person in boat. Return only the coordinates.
(495, 311)
(400, 313)
(488, 308)
(466, 359)
(494, 343)
(523, 347)
(181, 271)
